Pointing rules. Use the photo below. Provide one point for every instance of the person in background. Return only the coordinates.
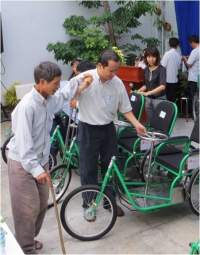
(62, 118)
(74, 65)
(172, 62)
(141, 63)
(192, 64)
(155, 81)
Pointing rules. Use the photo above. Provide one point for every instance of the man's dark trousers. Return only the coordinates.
(95, 143)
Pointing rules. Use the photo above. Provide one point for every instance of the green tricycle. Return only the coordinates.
(195, 247)
(89, 212)
(68, 156)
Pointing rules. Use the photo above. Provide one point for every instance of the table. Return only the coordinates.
(12, 246)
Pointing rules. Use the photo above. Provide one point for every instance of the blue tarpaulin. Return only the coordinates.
(187, 17)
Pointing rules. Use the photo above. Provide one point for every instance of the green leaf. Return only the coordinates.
(75, 25)
(151, 42)
(91, 4)
(88, 37)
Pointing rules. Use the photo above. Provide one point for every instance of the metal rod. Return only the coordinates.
(149, 167)
(57, 218)
(68, 127)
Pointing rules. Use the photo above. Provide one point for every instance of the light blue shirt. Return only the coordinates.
(193, 60)
(31, 125)
(66, 106)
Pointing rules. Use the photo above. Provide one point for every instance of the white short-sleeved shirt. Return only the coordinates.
(100, 102)
(193, 60)
(171, 61)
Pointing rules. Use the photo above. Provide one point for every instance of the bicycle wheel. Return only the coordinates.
(52, 161)
(195, 107)
(85, 221)
(61, 177)
(4, 149)
(194, 192)
(144, 166)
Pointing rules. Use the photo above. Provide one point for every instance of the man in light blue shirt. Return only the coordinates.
(62, 118)
(29, 152)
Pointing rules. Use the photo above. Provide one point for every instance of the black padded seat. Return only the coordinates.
(170, 149)
(136, 103)
(127, 143)
(163, 116)
(128, 133)
(170, 160)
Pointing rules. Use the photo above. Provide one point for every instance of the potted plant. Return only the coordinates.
(89, 37)
(10, 98)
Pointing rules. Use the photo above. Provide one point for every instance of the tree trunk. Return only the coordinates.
(106, 7)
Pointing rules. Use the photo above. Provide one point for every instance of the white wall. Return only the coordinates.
(28, 26)
(148, 28)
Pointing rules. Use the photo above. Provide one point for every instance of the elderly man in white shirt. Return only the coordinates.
(172, 61)
(29, 152)
(192, 63)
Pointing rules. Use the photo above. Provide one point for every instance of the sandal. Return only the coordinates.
(38, 245)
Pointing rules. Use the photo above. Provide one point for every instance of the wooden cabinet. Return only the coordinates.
(135, 75)
(131, 74)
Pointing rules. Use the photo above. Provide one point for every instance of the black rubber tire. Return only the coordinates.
(69, 175)
(195, 107)
(142, 172)
(193, 178)
(4, 149)
(66, 201)
(52, 161)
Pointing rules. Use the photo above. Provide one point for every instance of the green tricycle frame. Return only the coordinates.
(127, 191)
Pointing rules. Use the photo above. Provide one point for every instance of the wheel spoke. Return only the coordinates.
(60, 177)
(83, 218)
(194, 193)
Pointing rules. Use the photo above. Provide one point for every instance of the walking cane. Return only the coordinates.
(57, 218)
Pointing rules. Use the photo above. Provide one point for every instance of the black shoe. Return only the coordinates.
(120, 212)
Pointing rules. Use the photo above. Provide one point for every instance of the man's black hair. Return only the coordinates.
(46, 71)
(193, 38)
(108, 55)
(173, 42)
(75, 60)
(85, 65)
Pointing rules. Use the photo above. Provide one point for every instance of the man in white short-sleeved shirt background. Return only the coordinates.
(192, 63)
(172, 61)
